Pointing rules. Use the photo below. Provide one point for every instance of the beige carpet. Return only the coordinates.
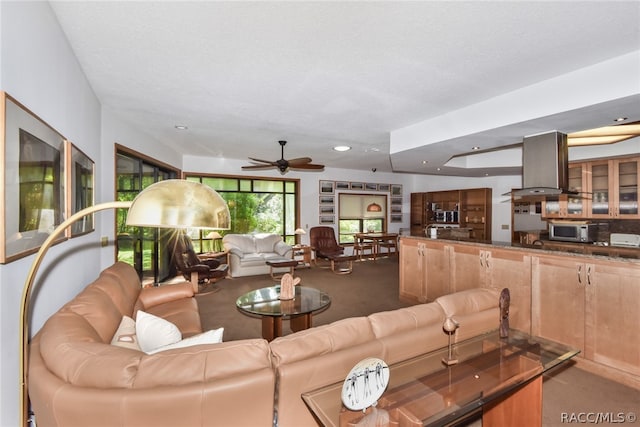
(570, 394)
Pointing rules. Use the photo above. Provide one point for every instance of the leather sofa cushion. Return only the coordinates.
(321, 340)
(469, 301)
(418, 316)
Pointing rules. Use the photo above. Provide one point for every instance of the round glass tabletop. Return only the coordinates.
(265, 301)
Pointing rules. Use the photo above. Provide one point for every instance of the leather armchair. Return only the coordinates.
(323, 241)
(198, 271)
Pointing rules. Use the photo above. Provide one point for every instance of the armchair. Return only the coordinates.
(323, 241)
(199, 272)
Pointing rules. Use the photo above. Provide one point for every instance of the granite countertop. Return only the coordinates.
(581, 249)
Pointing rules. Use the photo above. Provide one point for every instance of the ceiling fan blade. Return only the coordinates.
(299, 161)
(254, 167)
(262, 161)
(307, 166)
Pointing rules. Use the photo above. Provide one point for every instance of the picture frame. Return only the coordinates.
(384, 187)
(327, 210)
(342, 185)
(396, 209)
(80, 184)
(33, 185)
(396, 217)
(326, 200)
(327, 187)
(327, 219)
(396, 190)
(357, 186)
(395, 201)
(371, 186)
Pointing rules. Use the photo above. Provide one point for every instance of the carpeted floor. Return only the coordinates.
(570, 394)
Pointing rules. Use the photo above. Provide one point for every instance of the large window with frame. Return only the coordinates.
(359, 213)
(256, 205)
(145, 248)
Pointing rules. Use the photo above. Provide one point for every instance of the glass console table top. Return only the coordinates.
(265, 302)
(423, 391)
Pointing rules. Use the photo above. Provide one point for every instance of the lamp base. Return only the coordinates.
(449, 361)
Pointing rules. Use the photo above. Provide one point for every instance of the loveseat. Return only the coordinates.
(77, 377)
(248, 253)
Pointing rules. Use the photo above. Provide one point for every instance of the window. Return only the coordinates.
(256, 205)
(360, 213)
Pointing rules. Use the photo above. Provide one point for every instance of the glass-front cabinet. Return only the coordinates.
(572, 205)
(613, 185)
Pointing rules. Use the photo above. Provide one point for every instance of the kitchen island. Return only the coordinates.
(586, 300)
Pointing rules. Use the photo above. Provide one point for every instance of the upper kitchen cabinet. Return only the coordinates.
(613, 185)
(570, 205)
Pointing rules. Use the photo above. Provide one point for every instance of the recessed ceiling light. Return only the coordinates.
(181, 127)
(475, 148)
(342, 148)
(620, 119)
(438, 169)
(424, 162)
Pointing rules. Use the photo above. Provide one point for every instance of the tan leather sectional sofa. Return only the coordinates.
(77, 378)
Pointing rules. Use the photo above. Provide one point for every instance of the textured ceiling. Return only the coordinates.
(243, 75)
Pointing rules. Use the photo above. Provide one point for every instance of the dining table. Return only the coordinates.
(376, 238)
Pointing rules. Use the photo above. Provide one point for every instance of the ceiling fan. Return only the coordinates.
(300, 163)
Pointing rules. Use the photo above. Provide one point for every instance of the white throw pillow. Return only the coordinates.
(125, 335)
(154, 332)
(213, 336)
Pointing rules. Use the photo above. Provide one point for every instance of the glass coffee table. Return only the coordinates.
(265, 303)
(500, 377)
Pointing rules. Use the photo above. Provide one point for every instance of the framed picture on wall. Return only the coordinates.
(396, 190)
(357, 186)
(371, 187)
(327, 219)
(326, 187)
(396, 217)
(34, 180)
(326, 200)
(80, 185)
(342, 185)
(327, 210)
(383, 187)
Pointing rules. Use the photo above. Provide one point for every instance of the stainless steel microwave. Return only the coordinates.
(573, 232)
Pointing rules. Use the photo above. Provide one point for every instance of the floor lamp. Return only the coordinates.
(171, 203)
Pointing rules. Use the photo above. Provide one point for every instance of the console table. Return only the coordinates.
(501, 377)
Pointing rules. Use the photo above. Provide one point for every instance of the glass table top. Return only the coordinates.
(266, 302)
(431, 393)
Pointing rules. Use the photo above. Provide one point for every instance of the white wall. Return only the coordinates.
(39, 69)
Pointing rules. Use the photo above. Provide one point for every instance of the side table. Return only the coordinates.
(302, 253)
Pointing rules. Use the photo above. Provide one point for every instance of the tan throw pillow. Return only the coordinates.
(213, 336)
(125, 335)
(154, 332)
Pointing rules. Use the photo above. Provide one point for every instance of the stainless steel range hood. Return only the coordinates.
(545, 165)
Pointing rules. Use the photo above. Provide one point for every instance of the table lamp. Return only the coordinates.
(299, 232)
(214, 236)
(172, 203)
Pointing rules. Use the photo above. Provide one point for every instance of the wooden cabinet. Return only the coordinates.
(606, 189)
(475, 212)
(589, 304)
(469, 208)
(424, 270)
(574, 205)
(494, 268)
(418, 214)
(613, 185)
(558, 299)
(611, 316)
(412, 262)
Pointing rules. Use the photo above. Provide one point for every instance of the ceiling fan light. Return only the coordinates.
(342, 148)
